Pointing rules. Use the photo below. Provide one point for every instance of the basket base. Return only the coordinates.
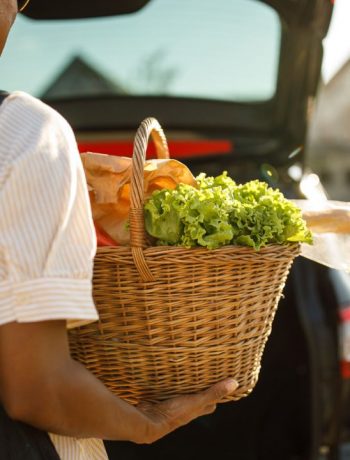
(160, 373)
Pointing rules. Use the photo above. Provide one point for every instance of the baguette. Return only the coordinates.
(328, 221)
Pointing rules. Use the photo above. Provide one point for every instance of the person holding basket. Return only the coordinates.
(51, 406)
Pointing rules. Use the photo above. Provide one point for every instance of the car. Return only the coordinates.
(232, 84)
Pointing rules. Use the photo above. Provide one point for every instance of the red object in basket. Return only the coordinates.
(103, 239)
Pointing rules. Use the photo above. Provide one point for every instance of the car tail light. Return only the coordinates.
(178, 149)
(344, 341)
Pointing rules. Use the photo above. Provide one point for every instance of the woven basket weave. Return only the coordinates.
(176, 320)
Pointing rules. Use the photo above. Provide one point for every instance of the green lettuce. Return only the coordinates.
(221, 212)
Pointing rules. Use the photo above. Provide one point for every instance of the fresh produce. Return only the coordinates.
(109, 177)
(102, 237)
(220, 212)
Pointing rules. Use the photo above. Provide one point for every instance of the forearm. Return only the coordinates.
(42, 385)
(76, 404)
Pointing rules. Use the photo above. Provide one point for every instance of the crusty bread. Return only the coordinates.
(108, 178)
(328, 221)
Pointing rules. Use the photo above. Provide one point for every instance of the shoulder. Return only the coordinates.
(31, 127)
(24, 109)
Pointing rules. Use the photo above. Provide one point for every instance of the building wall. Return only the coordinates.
(332, 165)
(328, 152)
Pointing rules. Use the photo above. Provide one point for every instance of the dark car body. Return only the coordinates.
(298, 410)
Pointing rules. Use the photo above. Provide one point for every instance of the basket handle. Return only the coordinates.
(149, 127)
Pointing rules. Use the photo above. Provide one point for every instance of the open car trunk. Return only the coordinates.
(294, 411)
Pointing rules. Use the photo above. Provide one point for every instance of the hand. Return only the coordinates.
(168, 415)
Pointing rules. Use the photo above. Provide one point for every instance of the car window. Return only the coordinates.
(224, 50)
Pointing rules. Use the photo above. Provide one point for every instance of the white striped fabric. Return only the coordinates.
(68, 448)
(47, 240)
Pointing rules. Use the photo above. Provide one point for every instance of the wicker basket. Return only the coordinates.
(176, 320)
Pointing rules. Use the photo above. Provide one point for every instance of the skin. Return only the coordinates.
(8, 12)
(41, 384)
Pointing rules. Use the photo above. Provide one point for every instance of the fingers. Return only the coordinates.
(209, 397)
(206, 400)
(209, 409)
(220, 390)
(168, 415)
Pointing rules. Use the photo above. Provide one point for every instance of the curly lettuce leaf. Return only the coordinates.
(221, 212)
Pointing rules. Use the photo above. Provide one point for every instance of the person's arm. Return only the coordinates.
(48, 239)
(40, 384)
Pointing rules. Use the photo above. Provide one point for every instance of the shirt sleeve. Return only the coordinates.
(47, 240)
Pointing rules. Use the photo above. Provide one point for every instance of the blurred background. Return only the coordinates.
(328, 152)
(141, 55)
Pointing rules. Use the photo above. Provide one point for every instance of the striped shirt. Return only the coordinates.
(47, 240)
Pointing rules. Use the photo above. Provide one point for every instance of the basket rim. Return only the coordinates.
(285, 247)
